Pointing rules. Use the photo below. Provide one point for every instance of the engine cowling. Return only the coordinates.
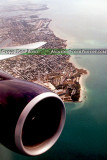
(31, 116)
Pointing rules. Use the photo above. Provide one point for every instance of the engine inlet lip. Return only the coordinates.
(43, 147)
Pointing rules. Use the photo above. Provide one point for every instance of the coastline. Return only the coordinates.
(72, 60)
(82, 79)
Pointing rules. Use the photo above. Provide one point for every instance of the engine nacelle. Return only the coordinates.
(31, 116)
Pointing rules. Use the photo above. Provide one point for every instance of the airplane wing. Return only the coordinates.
(24, 47)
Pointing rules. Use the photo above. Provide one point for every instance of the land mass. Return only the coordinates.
(52, 71)
(26, 27)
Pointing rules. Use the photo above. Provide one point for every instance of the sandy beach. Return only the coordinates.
(82, 79)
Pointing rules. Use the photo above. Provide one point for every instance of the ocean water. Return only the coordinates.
(82, 23)
(85, 133)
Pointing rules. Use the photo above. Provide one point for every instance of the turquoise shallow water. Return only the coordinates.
(85, 132)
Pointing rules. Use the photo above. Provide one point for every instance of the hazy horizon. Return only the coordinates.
(82, 23)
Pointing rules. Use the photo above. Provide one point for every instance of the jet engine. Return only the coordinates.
(31, 116)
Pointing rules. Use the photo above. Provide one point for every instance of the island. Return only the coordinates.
(55, 72)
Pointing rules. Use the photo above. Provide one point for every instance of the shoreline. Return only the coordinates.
(74, 62)
(76, 65)
(82, 79)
